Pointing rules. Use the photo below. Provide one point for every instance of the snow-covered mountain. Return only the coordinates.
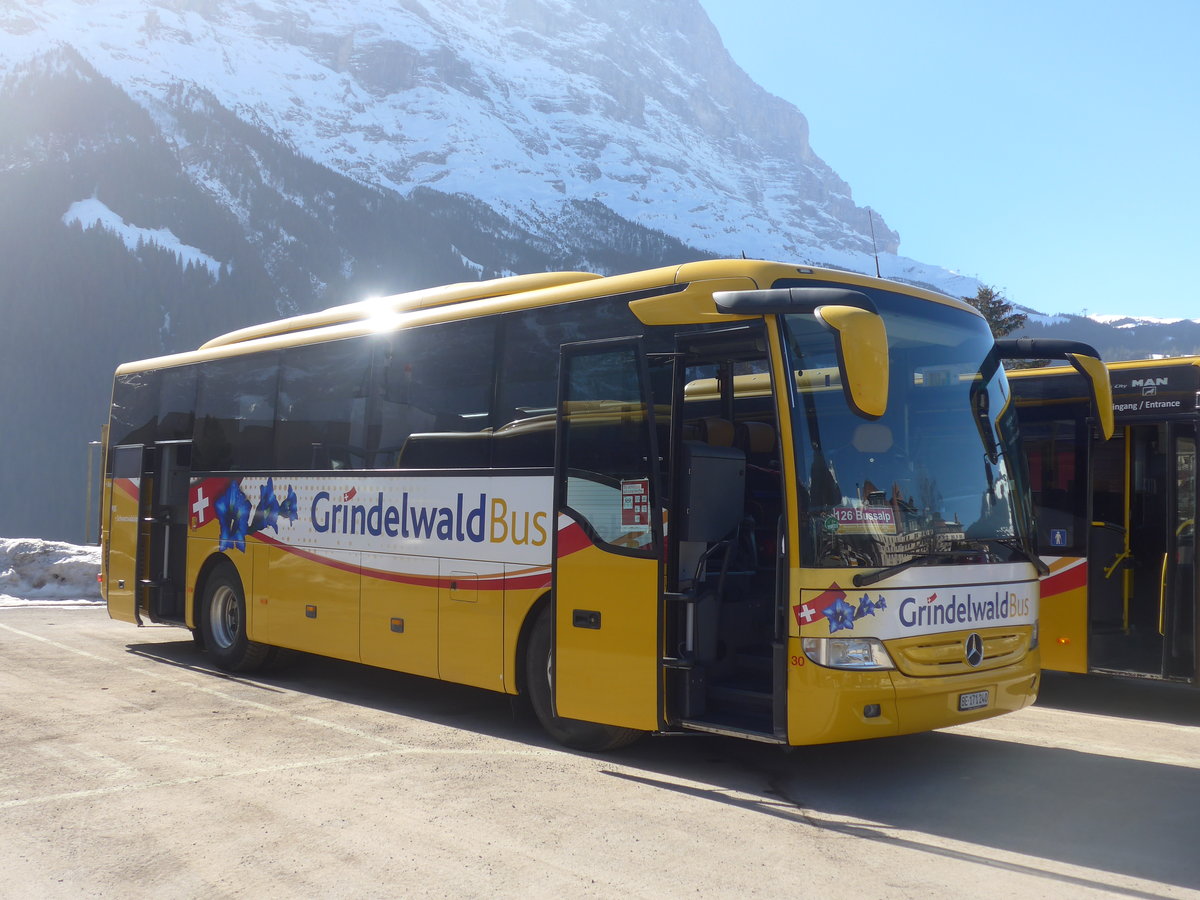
(531, 107)
(1118, 337)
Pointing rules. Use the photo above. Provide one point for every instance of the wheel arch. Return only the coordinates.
(523, 637)
(216, 562)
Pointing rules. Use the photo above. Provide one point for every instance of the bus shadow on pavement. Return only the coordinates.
(963, 797)
(397, 693)
(1129, 817)
(1125, 698)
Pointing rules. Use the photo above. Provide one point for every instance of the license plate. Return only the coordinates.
(973, 700)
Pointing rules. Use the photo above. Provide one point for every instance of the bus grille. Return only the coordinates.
(944, 654)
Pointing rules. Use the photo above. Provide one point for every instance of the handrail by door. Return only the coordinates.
(1127, 579)
(1121, 557)
(1162, 598)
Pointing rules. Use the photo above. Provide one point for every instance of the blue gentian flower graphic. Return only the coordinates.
(840, 615)
(233, 515)
(865, 607)
(287, 508)
(880, 603)
(266, 515)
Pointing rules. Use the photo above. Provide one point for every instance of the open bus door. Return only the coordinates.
(148, 531)
(1142, 540)
(608, 585)
(1178, 615)
(132, 484)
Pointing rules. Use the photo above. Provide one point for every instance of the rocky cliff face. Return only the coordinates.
(526, 105)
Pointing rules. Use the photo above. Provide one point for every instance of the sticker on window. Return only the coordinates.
(865, 520)
(635, 503)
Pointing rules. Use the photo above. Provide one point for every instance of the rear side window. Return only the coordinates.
(134, 409)
(321, 414)
(177, 403)
(235, 413)
(437, 396)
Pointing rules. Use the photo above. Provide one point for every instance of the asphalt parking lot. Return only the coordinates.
(131, 767)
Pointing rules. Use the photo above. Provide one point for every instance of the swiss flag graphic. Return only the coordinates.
(811, 610)
(202, 498)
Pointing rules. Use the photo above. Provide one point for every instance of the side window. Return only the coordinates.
(527, 389)
(152, 406)
(134, 409)
(437, 396)
(235, 413)
(126, 462)
(607, 456)
(529, 365)
(321, 414)
(1056, 453)
(177, 403)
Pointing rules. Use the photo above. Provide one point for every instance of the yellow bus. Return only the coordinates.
(736, 496)
(1116, 519)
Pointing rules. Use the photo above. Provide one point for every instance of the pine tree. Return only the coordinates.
(997, 310)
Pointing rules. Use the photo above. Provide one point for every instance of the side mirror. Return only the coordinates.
(1085, 360)
(862, 355)
(1096, 373)
(859, 335)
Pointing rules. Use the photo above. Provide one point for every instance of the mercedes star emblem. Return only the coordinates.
(974, 650)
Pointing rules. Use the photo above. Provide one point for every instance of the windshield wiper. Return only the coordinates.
(863, 579)
(1019, 546)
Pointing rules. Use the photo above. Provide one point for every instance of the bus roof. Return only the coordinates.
(1122, 365)
(668, 295)
(396, 303)
(1141, 388)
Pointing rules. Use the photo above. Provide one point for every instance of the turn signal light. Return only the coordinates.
(1063, 641)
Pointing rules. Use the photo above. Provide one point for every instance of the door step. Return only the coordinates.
(733, 731)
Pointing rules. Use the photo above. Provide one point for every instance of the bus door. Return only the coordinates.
(607, 596)
(148, 531)
(1142, 543)
(162, 588)
(725, 652)
(1179, 625)
(128, 540)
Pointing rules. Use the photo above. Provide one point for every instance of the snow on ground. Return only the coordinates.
(36, 572)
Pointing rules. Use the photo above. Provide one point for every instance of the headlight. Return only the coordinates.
(848, 653)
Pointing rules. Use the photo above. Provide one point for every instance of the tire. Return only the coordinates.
(223, 625)
(573, 733)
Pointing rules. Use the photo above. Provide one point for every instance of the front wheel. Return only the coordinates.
(539, 675)
(223, 625)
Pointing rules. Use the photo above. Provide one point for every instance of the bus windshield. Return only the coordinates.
(939, 477)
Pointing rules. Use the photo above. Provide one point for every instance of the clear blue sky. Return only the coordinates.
(1047, 147)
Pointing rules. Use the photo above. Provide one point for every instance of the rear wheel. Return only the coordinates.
(223, 625)
(539, 669)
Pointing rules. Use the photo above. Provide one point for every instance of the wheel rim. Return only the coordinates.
(225, 616)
